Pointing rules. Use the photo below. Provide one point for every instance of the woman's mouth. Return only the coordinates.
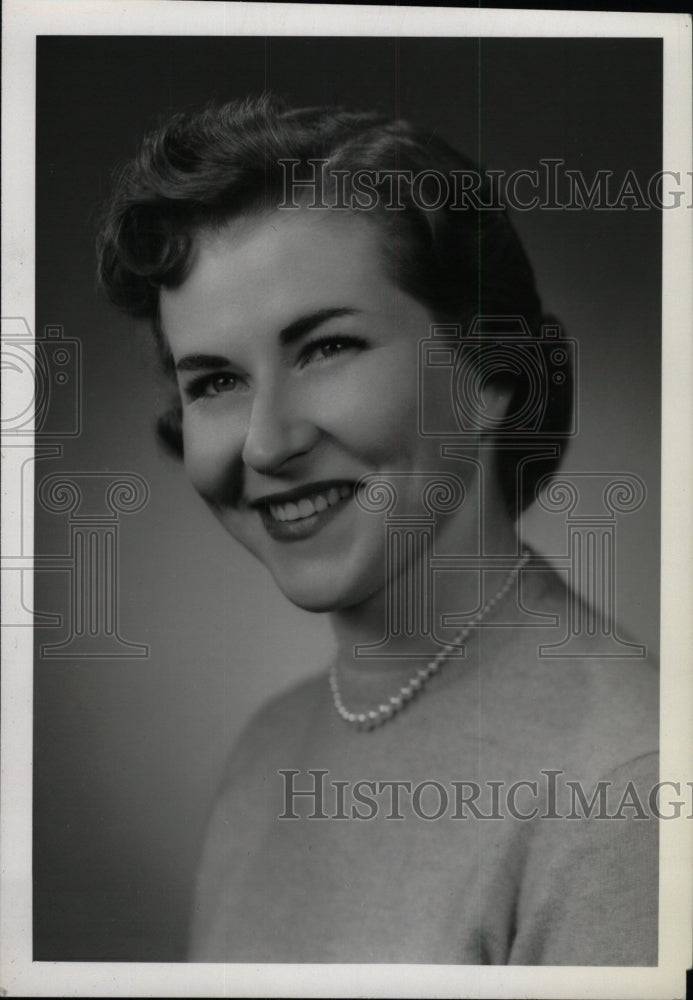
(307, 506)
(300, 513)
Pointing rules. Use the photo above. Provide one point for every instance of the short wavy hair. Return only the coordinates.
(201, 169)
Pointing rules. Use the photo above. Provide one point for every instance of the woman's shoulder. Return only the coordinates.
(562, 627)
(586, 639)
(588, 698)
(302, 699)
(276, 727)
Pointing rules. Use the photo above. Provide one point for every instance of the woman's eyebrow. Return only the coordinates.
(287, 335)
(300, 327)
(197, 362)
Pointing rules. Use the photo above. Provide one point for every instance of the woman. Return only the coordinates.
(430, 797)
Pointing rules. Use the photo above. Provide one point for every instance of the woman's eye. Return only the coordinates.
(328, 348)
(209, 386)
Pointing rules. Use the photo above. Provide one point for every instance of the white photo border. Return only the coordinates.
(19, 975)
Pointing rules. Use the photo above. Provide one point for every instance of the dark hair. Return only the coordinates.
(202, 169)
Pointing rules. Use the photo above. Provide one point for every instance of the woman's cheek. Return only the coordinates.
(211, 460)
(372, 405)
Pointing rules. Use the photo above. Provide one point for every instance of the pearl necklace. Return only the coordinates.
(379, 715)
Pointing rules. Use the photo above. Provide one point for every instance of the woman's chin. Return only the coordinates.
(324, 596)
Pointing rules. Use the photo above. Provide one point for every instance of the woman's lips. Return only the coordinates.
(299, 516)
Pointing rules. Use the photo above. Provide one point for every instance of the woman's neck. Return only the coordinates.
(399, 621)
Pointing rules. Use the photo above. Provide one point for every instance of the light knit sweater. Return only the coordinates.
(458, 888)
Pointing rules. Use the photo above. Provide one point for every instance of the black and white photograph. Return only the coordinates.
(346, 551)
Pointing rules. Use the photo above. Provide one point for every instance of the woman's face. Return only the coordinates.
(297, 366)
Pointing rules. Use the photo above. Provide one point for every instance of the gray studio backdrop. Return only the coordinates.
(128, 750)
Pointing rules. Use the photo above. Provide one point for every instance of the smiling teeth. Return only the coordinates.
(308, 506)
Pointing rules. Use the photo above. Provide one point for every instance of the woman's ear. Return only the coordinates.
(482, 405)
(494, 402)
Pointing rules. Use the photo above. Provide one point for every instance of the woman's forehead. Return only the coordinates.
(262, 235)
(307, 250)
(260, 272)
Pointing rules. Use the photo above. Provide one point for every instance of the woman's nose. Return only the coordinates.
(276, 433)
